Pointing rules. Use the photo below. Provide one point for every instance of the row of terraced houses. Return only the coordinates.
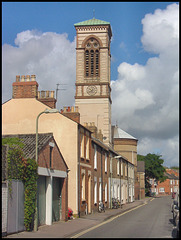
(82, 158)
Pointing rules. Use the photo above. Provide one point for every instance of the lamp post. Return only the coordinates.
(54, 110)
(111, 176)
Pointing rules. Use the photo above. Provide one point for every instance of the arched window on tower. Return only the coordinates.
(92, 58)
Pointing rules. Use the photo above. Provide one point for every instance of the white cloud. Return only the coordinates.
(145, 97)
(50, 56)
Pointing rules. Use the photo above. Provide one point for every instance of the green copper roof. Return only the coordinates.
(91, 22)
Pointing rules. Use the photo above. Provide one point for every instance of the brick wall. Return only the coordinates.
(71, 113)
(57, 161)
(22, 89)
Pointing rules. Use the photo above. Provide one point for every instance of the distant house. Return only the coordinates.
(171, 184)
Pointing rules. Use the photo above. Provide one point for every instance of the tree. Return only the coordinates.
(153, 169)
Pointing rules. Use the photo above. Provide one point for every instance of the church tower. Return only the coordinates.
(93, 60)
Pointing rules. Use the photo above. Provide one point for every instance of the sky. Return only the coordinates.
(39, 38)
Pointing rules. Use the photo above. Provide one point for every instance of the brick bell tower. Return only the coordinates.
(93, 60)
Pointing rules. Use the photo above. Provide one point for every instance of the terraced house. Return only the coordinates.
(101, 159)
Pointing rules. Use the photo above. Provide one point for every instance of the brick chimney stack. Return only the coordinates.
(25, 87)
(72, 113)
(47, 97)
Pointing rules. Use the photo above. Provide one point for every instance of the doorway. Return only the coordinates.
(89, 194)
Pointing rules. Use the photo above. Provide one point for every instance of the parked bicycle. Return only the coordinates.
(101, 207)
(114, 203)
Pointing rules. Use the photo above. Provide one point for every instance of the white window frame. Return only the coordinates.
(125, 168)
(87, 146)
(111, 170)
(118, 192)
(171, 181)
(82, 144)
(83, 187)
(121, 168)
(95, 192)
(162, 189)
(100, 192)
(118, 167)
(106, 192)
(95, 156)
(105, 162)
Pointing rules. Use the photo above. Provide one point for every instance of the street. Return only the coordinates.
(152, 220)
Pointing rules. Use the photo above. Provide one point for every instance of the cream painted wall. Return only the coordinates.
(89, 109)
(19, 117)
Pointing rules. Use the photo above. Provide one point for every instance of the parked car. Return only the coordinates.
(70, 213)
(175, 210)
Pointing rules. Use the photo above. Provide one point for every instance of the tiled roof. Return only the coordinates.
(171, 176)
(29, 141)
(91, 22)
(119, 133)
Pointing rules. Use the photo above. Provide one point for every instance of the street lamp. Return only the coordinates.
(111, 176)
(54, 110)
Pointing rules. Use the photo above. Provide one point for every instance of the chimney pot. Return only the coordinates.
(23, 78)
(64, 109)
(33, 77)
(76, 108)
(42, 94)
(72, 109)
(27, 78)
(52, 94)
(68, 109)
(47, 94)
(17, 78)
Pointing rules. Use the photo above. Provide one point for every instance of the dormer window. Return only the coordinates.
(92, 58)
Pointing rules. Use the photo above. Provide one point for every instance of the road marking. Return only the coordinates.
(107, 221)
(152, 199)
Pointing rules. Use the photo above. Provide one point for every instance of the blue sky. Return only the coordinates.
(60, 17)
(39, 38)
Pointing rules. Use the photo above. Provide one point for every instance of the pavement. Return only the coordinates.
(72, 228)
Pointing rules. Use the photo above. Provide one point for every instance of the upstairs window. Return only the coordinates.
(95, 156)
(82, 144)
(92, 58)
(118, 167)
(87, 146)
(105, 162)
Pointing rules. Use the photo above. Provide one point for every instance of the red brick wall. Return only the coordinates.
(50, 102)
(25, 89)
(75, 116)
(57, 159)
(86, 168)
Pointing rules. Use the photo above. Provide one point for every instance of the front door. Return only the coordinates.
(89, 194)
(41, 200)
(57, 201)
